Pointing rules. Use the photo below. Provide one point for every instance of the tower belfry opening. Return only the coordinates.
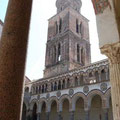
(68, 39)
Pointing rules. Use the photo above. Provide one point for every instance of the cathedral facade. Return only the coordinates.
(72, 88)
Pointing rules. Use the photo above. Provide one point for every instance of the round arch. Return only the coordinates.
(76, 97)
(41, 102)
(93, 93)
(61, 100)
(51, 100)
(32, 103)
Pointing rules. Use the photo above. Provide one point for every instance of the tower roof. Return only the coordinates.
(62, 4)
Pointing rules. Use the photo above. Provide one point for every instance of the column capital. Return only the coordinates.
(112, 51)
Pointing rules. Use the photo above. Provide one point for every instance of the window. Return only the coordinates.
(77, 26)
(54, 53)
(59, 52)
(82, 56)
(78, 53)
(81, 27)
(56, 27)
(60, 25)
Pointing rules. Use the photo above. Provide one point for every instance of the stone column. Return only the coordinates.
(38, 116)
(105, 114)
(72, 115)
(87, 115)
(13, 48)
(113, 53)
(59, 116)
(47, 115)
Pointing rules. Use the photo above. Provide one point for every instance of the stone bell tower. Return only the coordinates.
(68, 45)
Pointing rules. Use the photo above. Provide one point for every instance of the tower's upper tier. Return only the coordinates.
(62, 4)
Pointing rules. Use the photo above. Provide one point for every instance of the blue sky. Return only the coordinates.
(3, 7)
(43, 10)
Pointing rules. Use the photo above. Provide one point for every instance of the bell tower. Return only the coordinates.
(68, 45)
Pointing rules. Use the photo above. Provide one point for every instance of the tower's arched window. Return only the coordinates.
(82, 56)
(81, 27)
(78, 53)
(52, 87)
(59, 52)
(77, 26)
(60, 25)
(56, 27)
(54, 53)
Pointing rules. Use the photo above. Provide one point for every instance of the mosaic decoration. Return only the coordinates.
(100, 5)
(58, 94)
(71, 92)
(103, 86)
(48, 95)
(86, 89)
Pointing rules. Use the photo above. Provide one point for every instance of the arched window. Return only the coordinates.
(76, 81)
(81, 80)
(81, 27)
(59, 85)
(42, 88)
(39, 89)
(77, 26)
(78, 53)
(56, 27)
(82, 56)
(63, 85)
(54, 53)
(97, 76)
(59, 52)
(68, 83)
(46, 87)
(60, 25)
(52, 88)
(36, 90)
(103, 75)
(55, 86)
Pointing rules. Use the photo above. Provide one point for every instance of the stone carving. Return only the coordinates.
(71, 92)
(58, 94)
(48, 95)
(103, 86)
(100, 5)
(86, 89)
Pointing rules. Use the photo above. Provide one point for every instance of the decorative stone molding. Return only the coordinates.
(103, 86)
(58, 94)
(86, 89)
(71, 92)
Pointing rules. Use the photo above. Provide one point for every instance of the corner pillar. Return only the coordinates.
(38, 116)
(47, 115)
(113, 53)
